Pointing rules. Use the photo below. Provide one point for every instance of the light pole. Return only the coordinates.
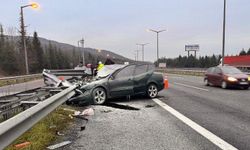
(33, 5)
(82, 45)
(157, 40)
(224, 33)
(142, 45)
(137, 55)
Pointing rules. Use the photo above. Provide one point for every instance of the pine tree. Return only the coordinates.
(38, 52)
(248, 52)
(243, 52)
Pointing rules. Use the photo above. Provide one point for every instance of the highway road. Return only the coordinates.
(189, 115)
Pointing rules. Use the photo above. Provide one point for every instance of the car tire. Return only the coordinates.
(152, 91)
(206, 82)
(224, 84)
(99, 96)
(246, 87)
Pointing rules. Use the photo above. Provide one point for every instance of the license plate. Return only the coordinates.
(243, 83)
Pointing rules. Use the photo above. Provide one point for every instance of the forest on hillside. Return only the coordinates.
(12, 60)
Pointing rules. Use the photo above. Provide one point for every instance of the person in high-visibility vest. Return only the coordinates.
(100, 66)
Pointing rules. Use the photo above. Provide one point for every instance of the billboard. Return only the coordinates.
(194, 47)
(162, 65)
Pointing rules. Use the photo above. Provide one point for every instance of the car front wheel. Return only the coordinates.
(99, 96)
(206, 82)
(224, 84)
(152, 91)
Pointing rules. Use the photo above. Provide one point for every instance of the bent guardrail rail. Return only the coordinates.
(12, 128)
(19, 79)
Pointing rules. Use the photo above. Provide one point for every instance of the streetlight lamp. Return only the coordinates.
(224, 33)
(157, 38)
(142, 45)
(34, 6)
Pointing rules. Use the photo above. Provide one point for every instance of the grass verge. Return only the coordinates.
(45, 131)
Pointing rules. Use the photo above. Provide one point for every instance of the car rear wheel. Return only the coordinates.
(224, 84)
(206, 82)
(99, 96)
(152, 91)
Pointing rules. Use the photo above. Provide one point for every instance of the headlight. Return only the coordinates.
(232, 79)
(248, 78)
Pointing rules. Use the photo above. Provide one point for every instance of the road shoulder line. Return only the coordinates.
(204, 132)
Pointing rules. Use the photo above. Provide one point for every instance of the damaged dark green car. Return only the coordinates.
(118, 81)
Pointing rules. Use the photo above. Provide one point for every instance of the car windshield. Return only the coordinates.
(107, 70)
(231, 70)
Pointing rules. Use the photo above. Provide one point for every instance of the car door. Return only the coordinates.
(141, 76)
(121, 83)
(210, 74)
(217, 76)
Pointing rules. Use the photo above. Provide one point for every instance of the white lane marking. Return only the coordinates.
(204, 132)
(190, 86)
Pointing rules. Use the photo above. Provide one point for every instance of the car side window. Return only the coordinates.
(141, 69)
(217, 70)
(210, 70)
(126, 72)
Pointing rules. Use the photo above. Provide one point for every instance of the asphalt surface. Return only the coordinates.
(224, 112)
(21, 87)
(150, 127)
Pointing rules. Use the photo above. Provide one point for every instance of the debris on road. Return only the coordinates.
(149, 106)
(59, 145)
(82, 128)
(22, 145)
(59, 133)
(105, 111)
(86, 112)
(67, 109)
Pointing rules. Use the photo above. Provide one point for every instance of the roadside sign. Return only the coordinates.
(194, 47)
(162, 65)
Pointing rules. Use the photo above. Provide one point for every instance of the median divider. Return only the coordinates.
(182, 71)
(19, 79)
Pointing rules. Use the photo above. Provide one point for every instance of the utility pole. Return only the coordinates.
(224, 33)
(23, 33)
(142, 45)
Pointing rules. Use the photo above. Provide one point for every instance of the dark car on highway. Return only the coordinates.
(126, 80)
(226, 76)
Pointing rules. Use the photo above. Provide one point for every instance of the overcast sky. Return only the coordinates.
(117, 25)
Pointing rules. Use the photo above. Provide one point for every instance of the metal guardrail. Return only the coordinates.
(12, 128)
(196, 72)
(18, 79)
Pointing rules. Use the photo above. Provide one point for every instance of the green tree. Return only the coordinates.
(38, 52)
(248, 52)
(243, 52)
